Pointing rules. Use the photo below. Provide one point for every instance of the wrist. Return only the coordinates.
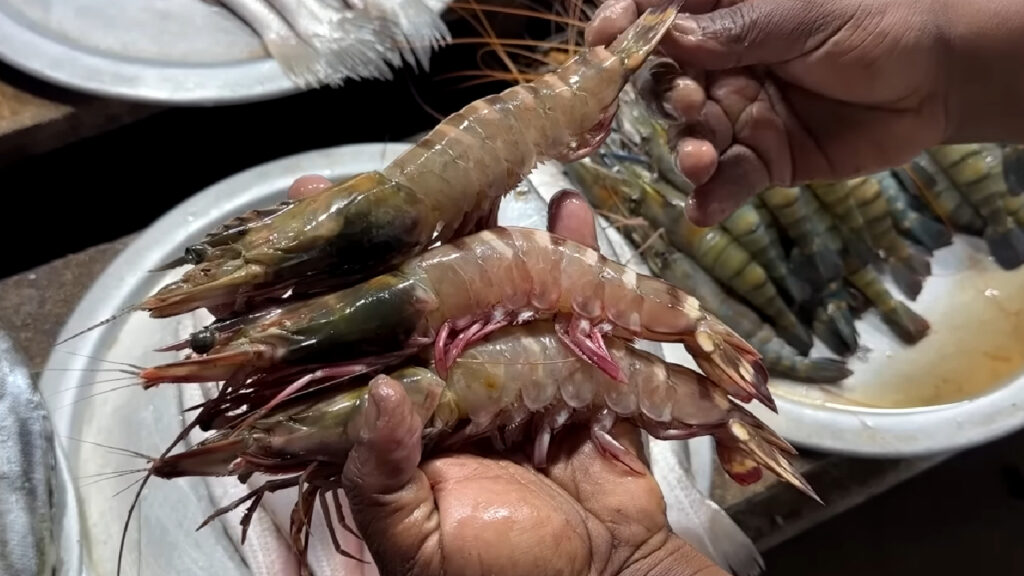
(983, 55)
(671, 557)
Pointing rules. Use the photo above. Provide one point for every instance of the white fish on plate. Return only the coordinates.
(27, 472)
(322, 42)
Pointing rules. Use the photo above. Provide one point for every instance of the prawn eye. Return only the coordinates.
(202, 341)
(197, 253)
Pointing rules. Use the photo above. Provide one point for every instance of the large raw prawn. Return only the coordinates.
(457, 294)
(447, 185)
(518, 380)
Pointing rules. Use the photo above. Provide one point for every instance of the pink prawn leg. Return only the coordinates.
(569, 216)
(588, 342)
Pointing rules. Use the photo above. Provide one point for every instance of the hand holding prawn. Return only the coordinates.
(581, 492)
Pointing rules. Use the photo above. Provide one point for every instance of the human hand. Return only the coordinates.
(476, 514)
(777, 92)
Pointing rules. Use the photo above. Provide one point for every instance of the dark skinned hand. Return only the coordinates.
(472, 514)
(777, 92)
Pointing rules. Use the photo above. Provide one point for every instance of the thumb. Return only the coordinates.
(390, 498)
(755, 32)
(570, 215)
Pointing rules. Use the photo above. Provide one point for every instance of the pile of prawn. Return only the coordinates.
(806, 261)
(502, 333)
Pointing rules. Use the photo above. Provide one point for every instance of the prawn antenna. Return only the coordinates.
(521, 59)
(142, 485)
(120, 313)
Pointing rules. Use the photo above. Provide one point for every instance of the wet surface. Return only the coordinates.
(976, 312)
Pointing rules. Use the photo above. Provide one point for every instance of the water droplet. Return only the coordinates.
(32, 276)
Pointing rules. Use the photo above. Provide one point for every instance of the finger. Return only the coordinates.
(391, 500)
(697, 160)
(630, 504)
(712, 124)
(609, 20)
(691, 6)
(613, 17)
(570, 215)
(740, 174)
(307, 185)
(685, 97)
(761, 32)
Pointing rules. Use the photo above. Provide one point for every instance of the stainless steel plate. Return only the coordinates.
(172, 52)
(959, 387)
(146, 420)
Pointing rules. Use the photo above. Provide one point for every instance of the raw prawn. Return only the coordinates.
(926, 180)
(907, 264)
(930, 234)
(456, 294)
(719, 253)
(976, 169)
(838, 202)
(817, 255)
(747, 226)
(447, 185)
(517, 380)
(606, 193)
(901, 319)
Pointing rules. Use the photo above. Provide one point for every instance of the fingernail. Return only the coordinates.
(686, 27)
(371, 413)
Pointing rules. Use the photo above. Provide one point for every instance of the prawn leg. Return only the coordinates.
(447, 350)
(588, 342)
(600, 426)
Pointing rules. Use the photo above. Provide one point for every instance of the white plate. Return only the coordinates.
(146, 420)
(959, 387)
(159, 51)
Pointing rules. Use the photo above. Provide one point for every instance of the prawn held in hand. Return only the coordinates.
(447, 185)
(516, 381)
(458, 293)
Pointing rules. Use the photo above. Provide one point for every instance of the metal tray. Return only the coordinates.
(171, 52)
(146, 420)
(959, 387)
